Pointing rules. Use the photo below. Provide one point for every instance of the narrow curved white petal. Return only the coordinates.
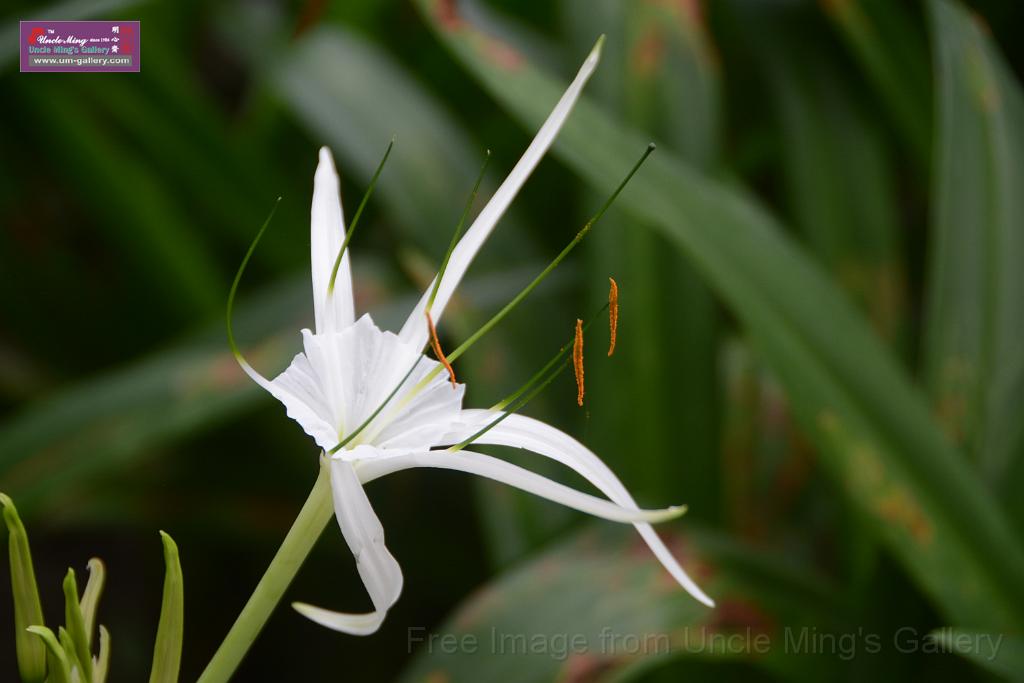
(523, 432)
(513, 475)
(364, 534)
(327, 233)
(415, 330)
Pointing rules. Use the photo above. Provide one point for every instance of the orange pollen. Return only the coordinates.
(613, 313)
(577, 361)
(435, 344)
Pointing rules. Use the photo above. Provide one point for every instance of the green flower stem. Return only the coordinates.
(312, 520)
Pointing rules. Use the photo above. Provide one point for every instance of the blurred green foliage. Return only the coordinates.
(819, 351)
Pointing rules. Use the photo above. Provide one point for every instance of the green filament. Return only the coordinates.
(238, 278)
(458, 232)
(517, 398)
(355, 218)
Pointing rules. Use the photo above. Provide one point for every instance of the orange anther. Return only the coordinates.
(577, 361)
(435, 344)
(613, 313)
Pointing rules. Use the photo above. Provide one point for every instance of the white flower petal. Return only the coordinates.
(513, 475)
(353, 624)
(344, 376)
(524, 432)
(415, 329)
(298, 388)
(364, 534)
(327, 233)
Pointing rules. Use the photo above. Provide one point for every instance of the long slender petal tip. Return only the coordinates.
(353, 624)
(595, 54)
(676, 511)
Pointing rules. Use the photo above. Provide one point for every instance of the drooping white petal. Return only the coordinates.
(327, 233)
(342, 377)
(364, 534)
(415, 331)
(513, 475)
(524, 432)
(299, 389)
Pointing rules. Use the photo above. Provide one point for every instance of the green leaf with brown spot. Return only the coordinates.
(838, 176)
(852, 398)
(598, 606)
(974, 359)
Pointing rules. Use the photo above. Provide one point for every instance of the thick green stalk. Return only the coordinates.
(312, 520)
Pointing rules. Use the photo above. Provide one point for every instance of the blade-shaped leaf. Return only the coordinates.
(99, 674)
(57, 665)
(92, 594)
(974, 358)
(599, 603)
(850, 395)
(839, 179)
(170, 632)
(28, 611)
(75, 624)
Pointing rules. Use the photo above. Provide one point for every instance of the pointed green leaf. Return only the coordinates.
(28, 611)
(99, 673)
(169, 634)
(999, 653)
(91, 596)
(851, 397)
(56, 659)
(974, 359)
(75, 624)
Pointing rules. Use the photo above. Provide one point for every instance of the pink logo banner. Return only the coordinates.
(80, 46)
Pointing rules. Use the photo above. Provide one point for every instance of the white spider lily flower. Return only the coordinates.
(376, 404)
